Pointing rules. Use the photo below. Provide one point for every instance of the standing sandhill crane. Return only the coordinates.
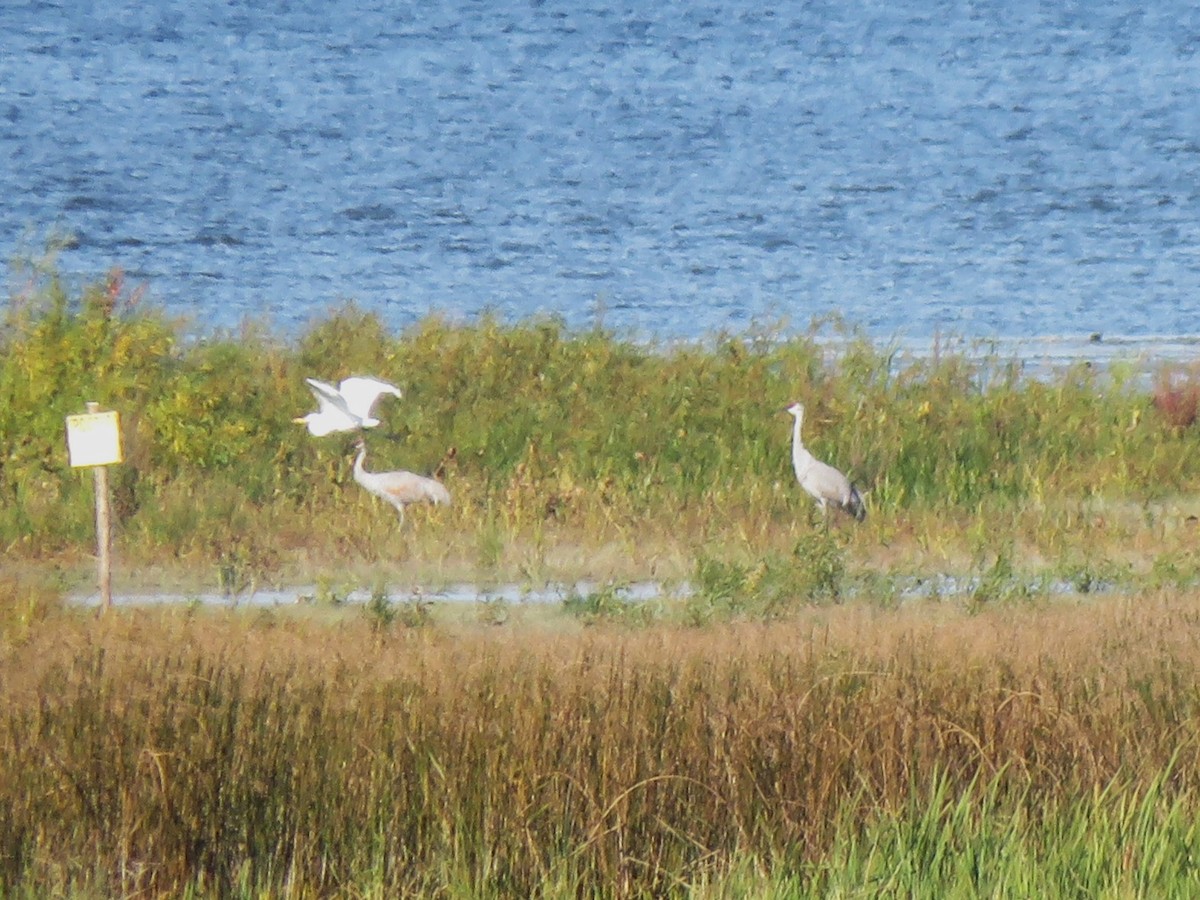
(398, 488)
(346, 407)
(825, 483)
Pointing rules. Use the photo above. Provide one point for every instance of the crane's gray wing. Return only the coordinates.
(829, 482)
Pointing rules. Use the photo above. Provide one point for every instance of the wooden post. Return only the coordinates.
(103, 527)
(94, 439)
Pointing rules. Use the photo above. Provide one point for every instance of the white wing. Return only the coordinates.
(359, 394)
(332, 412)
(328, 397)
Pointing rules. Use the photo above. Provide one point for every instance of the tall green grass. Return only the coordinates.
(569, 452)
(1116, 840)
(845, 752)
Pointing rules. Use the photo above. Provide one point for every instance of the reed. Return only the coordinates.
(845, 750)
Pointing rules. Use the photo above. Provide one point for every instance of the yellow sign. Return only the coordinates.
(94, 439)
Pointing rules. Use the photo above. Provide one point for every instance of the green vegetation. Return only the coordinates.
(580, 455)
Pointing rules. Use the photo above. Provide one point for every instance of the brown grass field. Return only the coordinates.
(301, 753)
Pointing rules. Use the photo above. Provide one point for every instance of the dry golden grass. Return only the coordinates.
(154, 750)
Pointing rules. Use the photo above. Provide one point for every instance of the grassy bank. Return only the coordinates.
(575, 454)
(926, 752)
(791, 727)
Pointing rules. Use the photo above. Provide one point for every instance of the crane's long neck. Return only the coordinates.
(801, 458)
(359, 471)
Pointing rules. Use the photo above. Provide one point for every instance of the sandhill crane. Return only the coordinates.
(825, 483)
(346, 407)
(398, 488)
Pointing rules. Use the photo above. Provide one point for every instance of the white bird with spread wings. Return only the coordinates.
(347, 407)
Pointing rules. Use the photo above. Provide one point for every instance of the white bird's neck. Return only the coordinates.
(801, 458)
(359, 470)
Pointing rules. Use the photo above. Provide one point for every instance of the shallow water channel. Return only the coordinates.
(898, 590)
(637, 592)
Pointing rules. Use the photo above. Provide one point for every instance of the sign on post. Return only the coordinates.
(94, 440)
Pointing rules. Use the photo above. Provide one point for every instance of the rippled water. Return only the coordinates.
(1008, 169)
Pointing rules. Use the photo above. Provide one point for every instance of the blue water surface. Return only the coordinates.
(993, 169)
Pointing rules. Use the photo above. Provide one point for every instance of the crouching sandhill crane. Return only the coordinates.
(825, 483)
(346, 407)
(399, 488)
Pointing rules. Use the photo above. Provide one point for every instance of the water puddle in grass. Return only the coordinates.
(636, 592)
(899, 589)
(956, 587)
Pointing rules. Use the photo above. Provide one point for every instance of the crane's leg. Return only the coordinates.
(400, 506)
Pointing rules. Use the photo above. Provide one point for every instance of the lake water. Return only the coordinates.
(999, 169)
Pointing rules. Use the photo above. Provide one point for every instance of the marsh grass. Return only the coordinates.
(569, 454)
(790, 727)
(1115, 841)
(1046, 750)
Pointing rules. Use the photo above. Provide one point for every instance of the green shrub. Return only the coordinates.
(772, 586)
